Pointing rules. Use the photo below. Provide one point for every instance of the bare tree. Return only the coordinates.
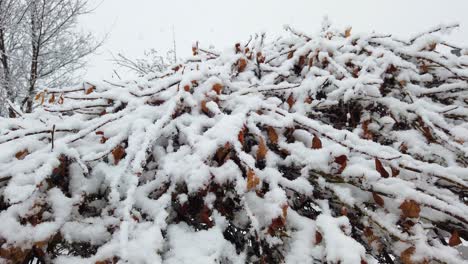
(150, 63)
(41, 39)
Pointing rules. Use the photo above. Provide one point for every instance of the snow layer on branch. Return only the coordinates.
(333, 147)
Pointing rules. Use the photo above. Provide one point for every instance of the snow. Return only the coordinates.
(160, 168)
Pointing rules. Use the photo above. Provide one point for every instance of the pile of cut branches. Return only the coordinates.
(336, 147)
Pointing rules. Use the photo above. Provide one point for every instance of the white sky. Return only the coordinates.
(135, 25)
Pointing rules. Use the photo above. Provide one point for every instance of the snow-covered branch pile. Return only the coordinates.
(337, 147)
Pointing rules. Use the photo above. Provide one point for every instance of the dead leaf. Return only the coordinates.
(272, 135)
(237, 47)
(38, 96)
(378, 200)
(52, 99)
(118, 153)
(61, 99)
(291, 54)
(241, 135)
(367, 134)
(432, 46)
(395, 172)
(241, 65)
(217, 87)
(301, 61)
(348, 32)
(276, 224)
(410, 208)
(318, 237)
(260, 57)
(291, 100)
(22, 154)
(222, 154)
(403, 148)
(381, 169)
(406, 255)
(252, 180)
(342, 161)
(262, 149)
(204, 108)
(205, 216)
(368, 232)
(454, 239)
(316, 143)
(285, 210)
(90, 89)
(14, 254)
(344, 211)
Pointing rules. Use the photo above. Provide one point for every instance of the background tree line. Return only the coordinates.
(40, 45)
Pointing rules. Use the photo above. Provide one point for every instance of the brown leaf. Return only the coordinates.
(342, 161)
(205, 216)
(118, 153)
(316, 143)
(318, 237)
(410, 208)
(262, 149)
(241, 135)
(395, 172)
(344, 211)
(204, 108)
(90, 89)
(367, 134)
(381, 169)
(378, 200)
(291, 54)
(237, 47)
(260, 57)
(187, 88)
(38, 96)
(217, 87)
(241, 65)
(22, 154)
(222, 154)
(348, 32)
(291, 101)
(52, 99)
(403, 148)
(301, 61)
(276, 224)
(14, 254)
(176, 68)
(406, 255)
(272, 135)
(454, 239)
(252, 180)
(101, 133)
(368, 232)
(61, 99)
(285, 210)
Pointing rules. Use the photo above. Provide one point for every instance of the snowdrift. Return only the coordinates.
(334, 147)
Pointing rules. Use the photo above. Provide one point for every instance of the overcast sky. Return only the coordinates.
(135, 25)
